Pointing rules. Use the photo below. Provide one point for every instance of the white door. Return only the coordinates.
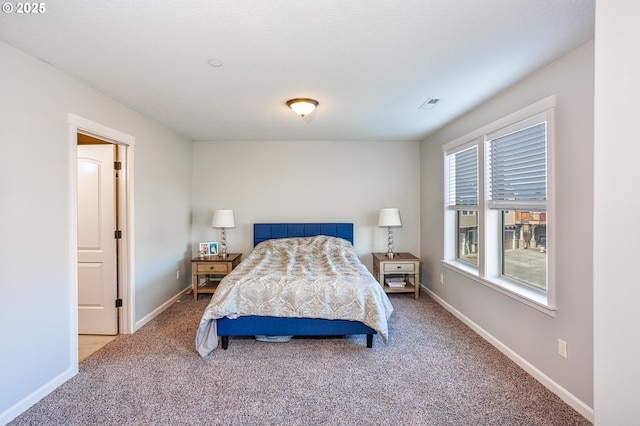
(97, 265)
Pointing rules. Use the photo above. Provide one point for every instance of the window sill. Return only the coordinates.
(519, 293)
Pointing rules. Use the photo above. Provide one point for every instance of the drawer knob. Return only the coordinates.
(399, 267)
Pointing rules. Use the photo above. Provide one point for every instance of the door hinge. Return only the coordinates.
(117, 165)
(118, 303)
(118, 235)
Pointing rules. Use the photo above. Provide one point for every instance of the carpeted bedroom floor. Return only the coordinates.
(433, 371)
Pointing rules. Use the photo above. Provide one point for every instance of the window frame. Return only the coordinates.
(488, 271)
(465, 199)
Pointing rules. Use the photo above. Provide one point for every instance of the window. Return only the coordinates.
(524, 255)
(517, 179)
(463, 195)
(467, 244)
(497, 186)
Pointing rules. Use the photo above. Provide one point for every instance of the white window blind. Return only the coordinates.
(518, 169)
(463, 178)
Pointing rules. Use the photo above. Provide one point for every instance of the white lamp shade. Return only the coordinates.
(389, 217)
(223, 219)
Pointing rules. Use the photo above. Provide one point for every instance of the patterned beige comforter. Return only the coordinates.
(311, 277)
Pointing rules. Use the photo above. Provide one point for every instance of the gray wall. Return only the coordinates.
(308, 182)
(529, 333)
(36, 264)
(616, 282)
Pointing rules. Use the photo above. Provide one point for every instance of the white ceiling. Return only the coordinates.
(370, 63)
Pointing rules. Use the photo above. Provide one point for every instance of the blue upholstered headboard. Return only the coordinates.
(268, 231)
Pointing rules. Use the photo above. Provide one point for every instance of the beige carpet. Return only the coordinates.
(433, 371)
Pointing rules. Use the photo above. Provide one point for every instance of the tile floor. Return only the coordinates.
(89, 343)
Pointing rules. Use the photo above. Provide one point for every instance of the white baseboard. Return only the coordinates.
(28, 401)
(554, 387)
(160, 309)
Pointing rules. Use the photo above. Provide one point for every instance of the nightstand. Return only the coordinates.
(403, 265)
(212, 269)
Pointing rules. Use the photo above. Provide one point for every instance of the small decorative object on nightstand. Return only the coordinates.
(223, 219)
(398, 275)
(212, 268)
(391, 219)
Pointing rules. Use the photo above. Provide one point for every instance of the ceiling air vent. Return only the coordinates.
(429, 103)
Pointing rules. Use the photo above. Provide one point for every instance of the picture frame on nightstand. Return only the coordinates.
(204, 249)
(213, 248)
(209, 248)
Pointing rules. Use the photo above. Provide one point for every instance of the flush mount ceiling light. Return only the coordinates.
(302, 106)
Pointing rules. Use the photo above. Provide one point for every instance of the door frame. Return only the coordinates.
(125, 211)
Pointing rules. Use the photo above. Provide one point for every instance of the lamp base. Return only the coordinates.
(223, 245)
(390, 244)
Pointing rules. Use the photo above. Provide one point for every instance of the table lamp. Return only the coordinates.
(391, 219)
(223, 219)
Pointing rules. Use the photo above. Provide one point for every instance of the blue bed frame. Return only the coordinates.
(275, 326)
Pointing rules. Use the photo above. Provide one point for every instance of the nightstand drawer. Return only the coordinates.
(400, 267)
(212, 268)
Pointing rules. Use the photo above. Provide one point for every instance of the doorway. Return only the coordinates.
(99, 134)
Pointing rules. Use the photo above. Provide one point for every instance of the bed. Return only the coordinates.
(301, 279)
